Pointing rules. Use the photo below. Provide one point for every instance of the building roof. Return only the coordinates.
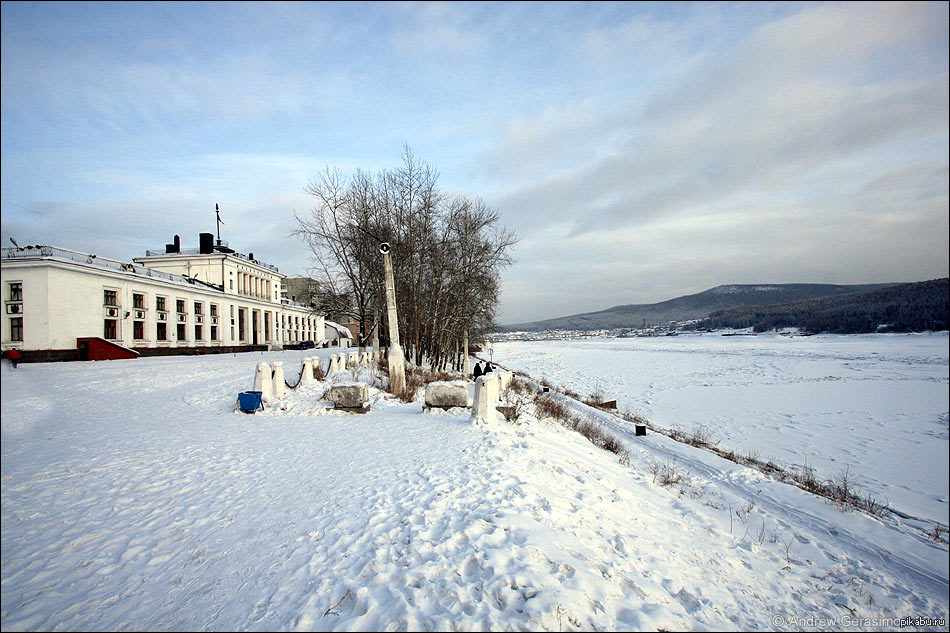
(56, 253)
(341, 330)
(88, 260)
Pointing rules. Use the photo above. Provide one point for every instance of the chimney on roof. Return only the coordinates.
(205, 243)
(174, 247)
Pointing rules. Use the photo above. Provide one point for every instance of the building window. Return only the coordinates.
(198, 336)
(110, 297)
(181, 331)
(180, 306)
(161, 332)
(197, 308)
(138, 330)
(160, 304)
(16, 329)
(138, 301)
(109, 329)
(16, 291)
(214, 309)
(214, 332)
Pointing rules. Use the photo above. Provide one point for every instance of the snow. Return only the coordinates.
(342, 331)
(874, 404)
(133, 497)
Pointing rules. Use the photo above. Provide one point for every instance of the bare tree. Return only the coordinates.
(447, 254)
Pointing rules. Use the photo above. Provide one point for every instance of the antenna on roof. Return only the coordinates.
(217, 212)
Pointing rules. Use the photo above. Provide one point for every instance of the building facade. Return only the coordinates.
(209, 299)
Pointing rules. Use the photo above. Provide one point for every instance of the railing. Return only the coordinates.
(196, 251)
(294, 304)
(37, 252)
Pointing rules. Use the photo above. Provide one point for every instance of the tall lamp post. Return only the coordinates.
(394, 356)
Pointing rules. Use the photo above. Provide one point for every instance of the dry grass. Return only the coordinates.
(664, 473)
(418, 377)
(546, 406)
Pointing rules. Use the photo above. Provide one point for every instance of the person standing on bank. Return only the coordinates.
(14, 355)
(477, 371)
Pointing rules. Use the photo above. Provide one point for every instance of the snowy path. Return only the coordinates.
(133, 498)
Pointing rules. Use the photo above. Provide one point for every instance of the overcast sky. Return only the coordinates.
(639, 151)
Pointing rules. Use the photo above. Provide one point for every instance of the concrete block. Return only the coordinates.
(353, 360)
(445, 394)
(351, 396)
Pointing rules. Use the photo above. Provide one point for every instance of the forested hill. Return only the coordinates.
(908, 307)
(695, 306)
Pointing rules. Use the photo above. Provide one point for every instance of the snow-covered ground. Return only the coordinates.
(133, 497)
(874, 404)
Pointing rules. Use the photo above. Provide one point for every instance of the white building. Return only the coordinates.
(209, 299)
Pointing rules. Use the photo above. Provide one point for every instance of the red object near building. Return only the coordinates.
(94, 348)
(14, 355)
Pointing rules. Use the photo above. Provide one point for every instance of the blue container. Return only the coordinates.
(250, 401)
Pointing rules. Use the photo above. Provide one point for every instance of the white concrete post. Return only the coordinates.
(486, 397)
(352, 359)
(280, 387)
(306, 372)
(264, 383)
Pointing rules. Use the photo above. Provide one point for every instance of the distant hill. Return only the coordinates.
(696, 306)
(909, 307)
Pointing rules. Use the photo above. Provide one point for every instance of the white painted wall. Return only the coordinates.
(63, 301)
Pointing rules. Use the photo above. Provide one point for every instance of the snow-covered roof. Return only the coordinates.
(342, 331)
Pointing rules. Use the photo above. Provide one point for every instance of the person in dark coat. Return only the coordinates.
(488, 367)
(477, 371)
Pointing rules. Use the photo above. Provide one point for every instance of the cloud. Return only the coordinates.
(801, 114)
(439, 28)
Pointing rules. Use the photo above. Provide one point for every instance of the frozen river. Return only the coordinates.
(874, 404)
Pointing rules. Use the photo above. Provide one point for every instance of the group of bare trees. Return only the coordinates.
(447, 254)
